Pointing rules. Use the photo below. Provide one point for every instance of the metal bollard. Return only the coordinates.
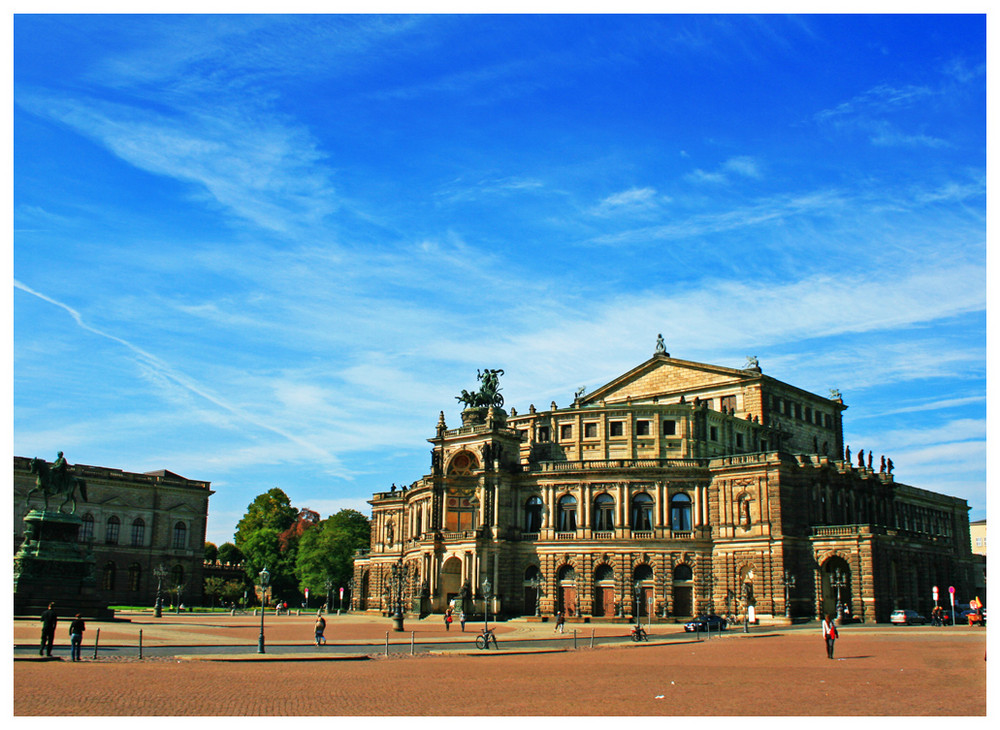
(411, 643)
(97, 640)
(140, 643)
(574, 638)
(387, 643)
(592, 632)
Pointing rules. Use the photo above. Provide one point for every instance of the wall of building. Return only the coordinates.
(161, 519)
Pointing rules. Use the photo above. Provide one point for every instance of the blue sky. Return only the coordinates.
(266, 251)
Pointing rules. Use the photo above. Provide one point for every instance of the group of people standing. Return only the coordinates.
(76, 628)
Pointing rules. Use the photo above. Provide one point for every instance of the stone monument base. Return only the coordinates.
(53, 567)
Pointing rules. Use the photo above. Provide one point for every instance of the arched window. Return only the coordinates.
(111, 530)
(604, 513)
(180, 536)
(533, 514)
(177, 576)
(463, 464)
(134, 577)
(138, 532)
(567, 574)
(108, 576)
(642, 512)
(683, 572)
(567, 513)
(604, 573)
(643, 573)
(680, 512)
(87, 528)
(532, 572)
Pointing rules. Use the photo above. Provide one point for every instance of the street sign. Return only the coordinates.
(951, 590)
(934, 592)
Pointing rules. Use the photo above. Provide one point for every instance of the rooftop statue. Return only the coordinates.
(488, 393)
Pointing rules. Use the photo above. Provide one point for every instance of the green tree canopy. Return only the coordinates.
(327, 551)
(229, 553)
(211, 552)
(257, 537)
(271, 510)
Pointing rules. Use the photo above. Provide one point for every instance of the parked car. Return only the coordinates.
(906, 617)
(708, 622)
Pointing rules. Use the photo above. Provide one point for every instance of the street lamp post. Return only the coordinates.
(839, 581)
(265, 578)
(350, 587)
(638, 600)
(329, 589)
(160, 572)
(536, 583)
(397, 581)
(486, 603)
(746, 608)
(789, 583)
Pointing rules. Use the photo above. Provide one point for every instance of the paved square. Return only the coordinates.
(878, 671)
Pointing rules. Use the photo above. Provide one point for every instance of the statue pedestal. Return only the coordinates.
(52, 566)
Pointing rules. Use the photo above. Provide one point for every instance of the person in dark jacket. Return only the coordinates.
(49, 621)
(76, 629)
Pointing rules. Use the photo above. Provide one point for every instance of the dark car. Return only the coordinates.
(708, 622)
(906, 617)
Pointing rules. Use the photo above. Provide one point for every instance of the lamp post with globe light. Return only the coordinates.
(265, 578)
(487, 593)
(536, 583)
(789, 582)
(160, 572)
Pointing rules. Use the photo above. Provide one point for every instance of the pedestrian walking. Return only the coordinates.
(560, 622)
(76, 629)
(461, 619)
(447, 619)
(49, 621)
(320, 629)
(829, 635)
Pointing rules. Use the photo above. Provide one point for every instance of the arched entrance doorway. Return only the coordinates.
(835, 574)
(363, 592)
(604, 591)
(451, 579)
(642, 585)
(683, 591)
(567, 590)
(532, 591)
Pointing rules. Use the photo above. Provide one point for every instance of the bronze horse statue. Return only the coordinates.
(55, 482)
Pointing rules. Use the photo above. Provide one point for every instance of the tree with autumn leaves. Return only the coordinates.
(298, 548)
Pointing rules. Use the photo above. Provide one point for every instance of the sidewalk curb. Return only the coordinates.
(271, 657)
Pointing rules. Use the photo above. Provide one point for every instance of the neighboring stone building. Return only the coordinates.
(977, 534)
(679, 487)
(135, 523)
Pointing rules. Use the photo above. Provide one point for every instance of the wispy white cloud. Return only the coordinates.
(628, 202)
(262, 170)
(741, 166)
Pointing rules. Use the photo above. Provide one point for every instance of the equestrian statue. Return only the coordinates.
(55, 481)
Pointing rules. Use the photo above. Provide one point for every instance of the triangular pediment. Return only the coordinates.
(665, 376)
(180, 507)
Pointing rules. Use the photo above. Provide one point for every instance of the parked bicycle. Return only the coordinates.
(639, 633)
(486, 636)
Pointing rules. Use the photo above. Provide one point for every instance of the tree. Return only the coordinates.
(213, 587)
(229, 554)
(257, 538)
(327, 551)
(211, 552)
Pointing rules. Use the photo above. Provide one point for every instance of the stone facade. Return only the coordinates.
(134, 524)
(677, 488)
